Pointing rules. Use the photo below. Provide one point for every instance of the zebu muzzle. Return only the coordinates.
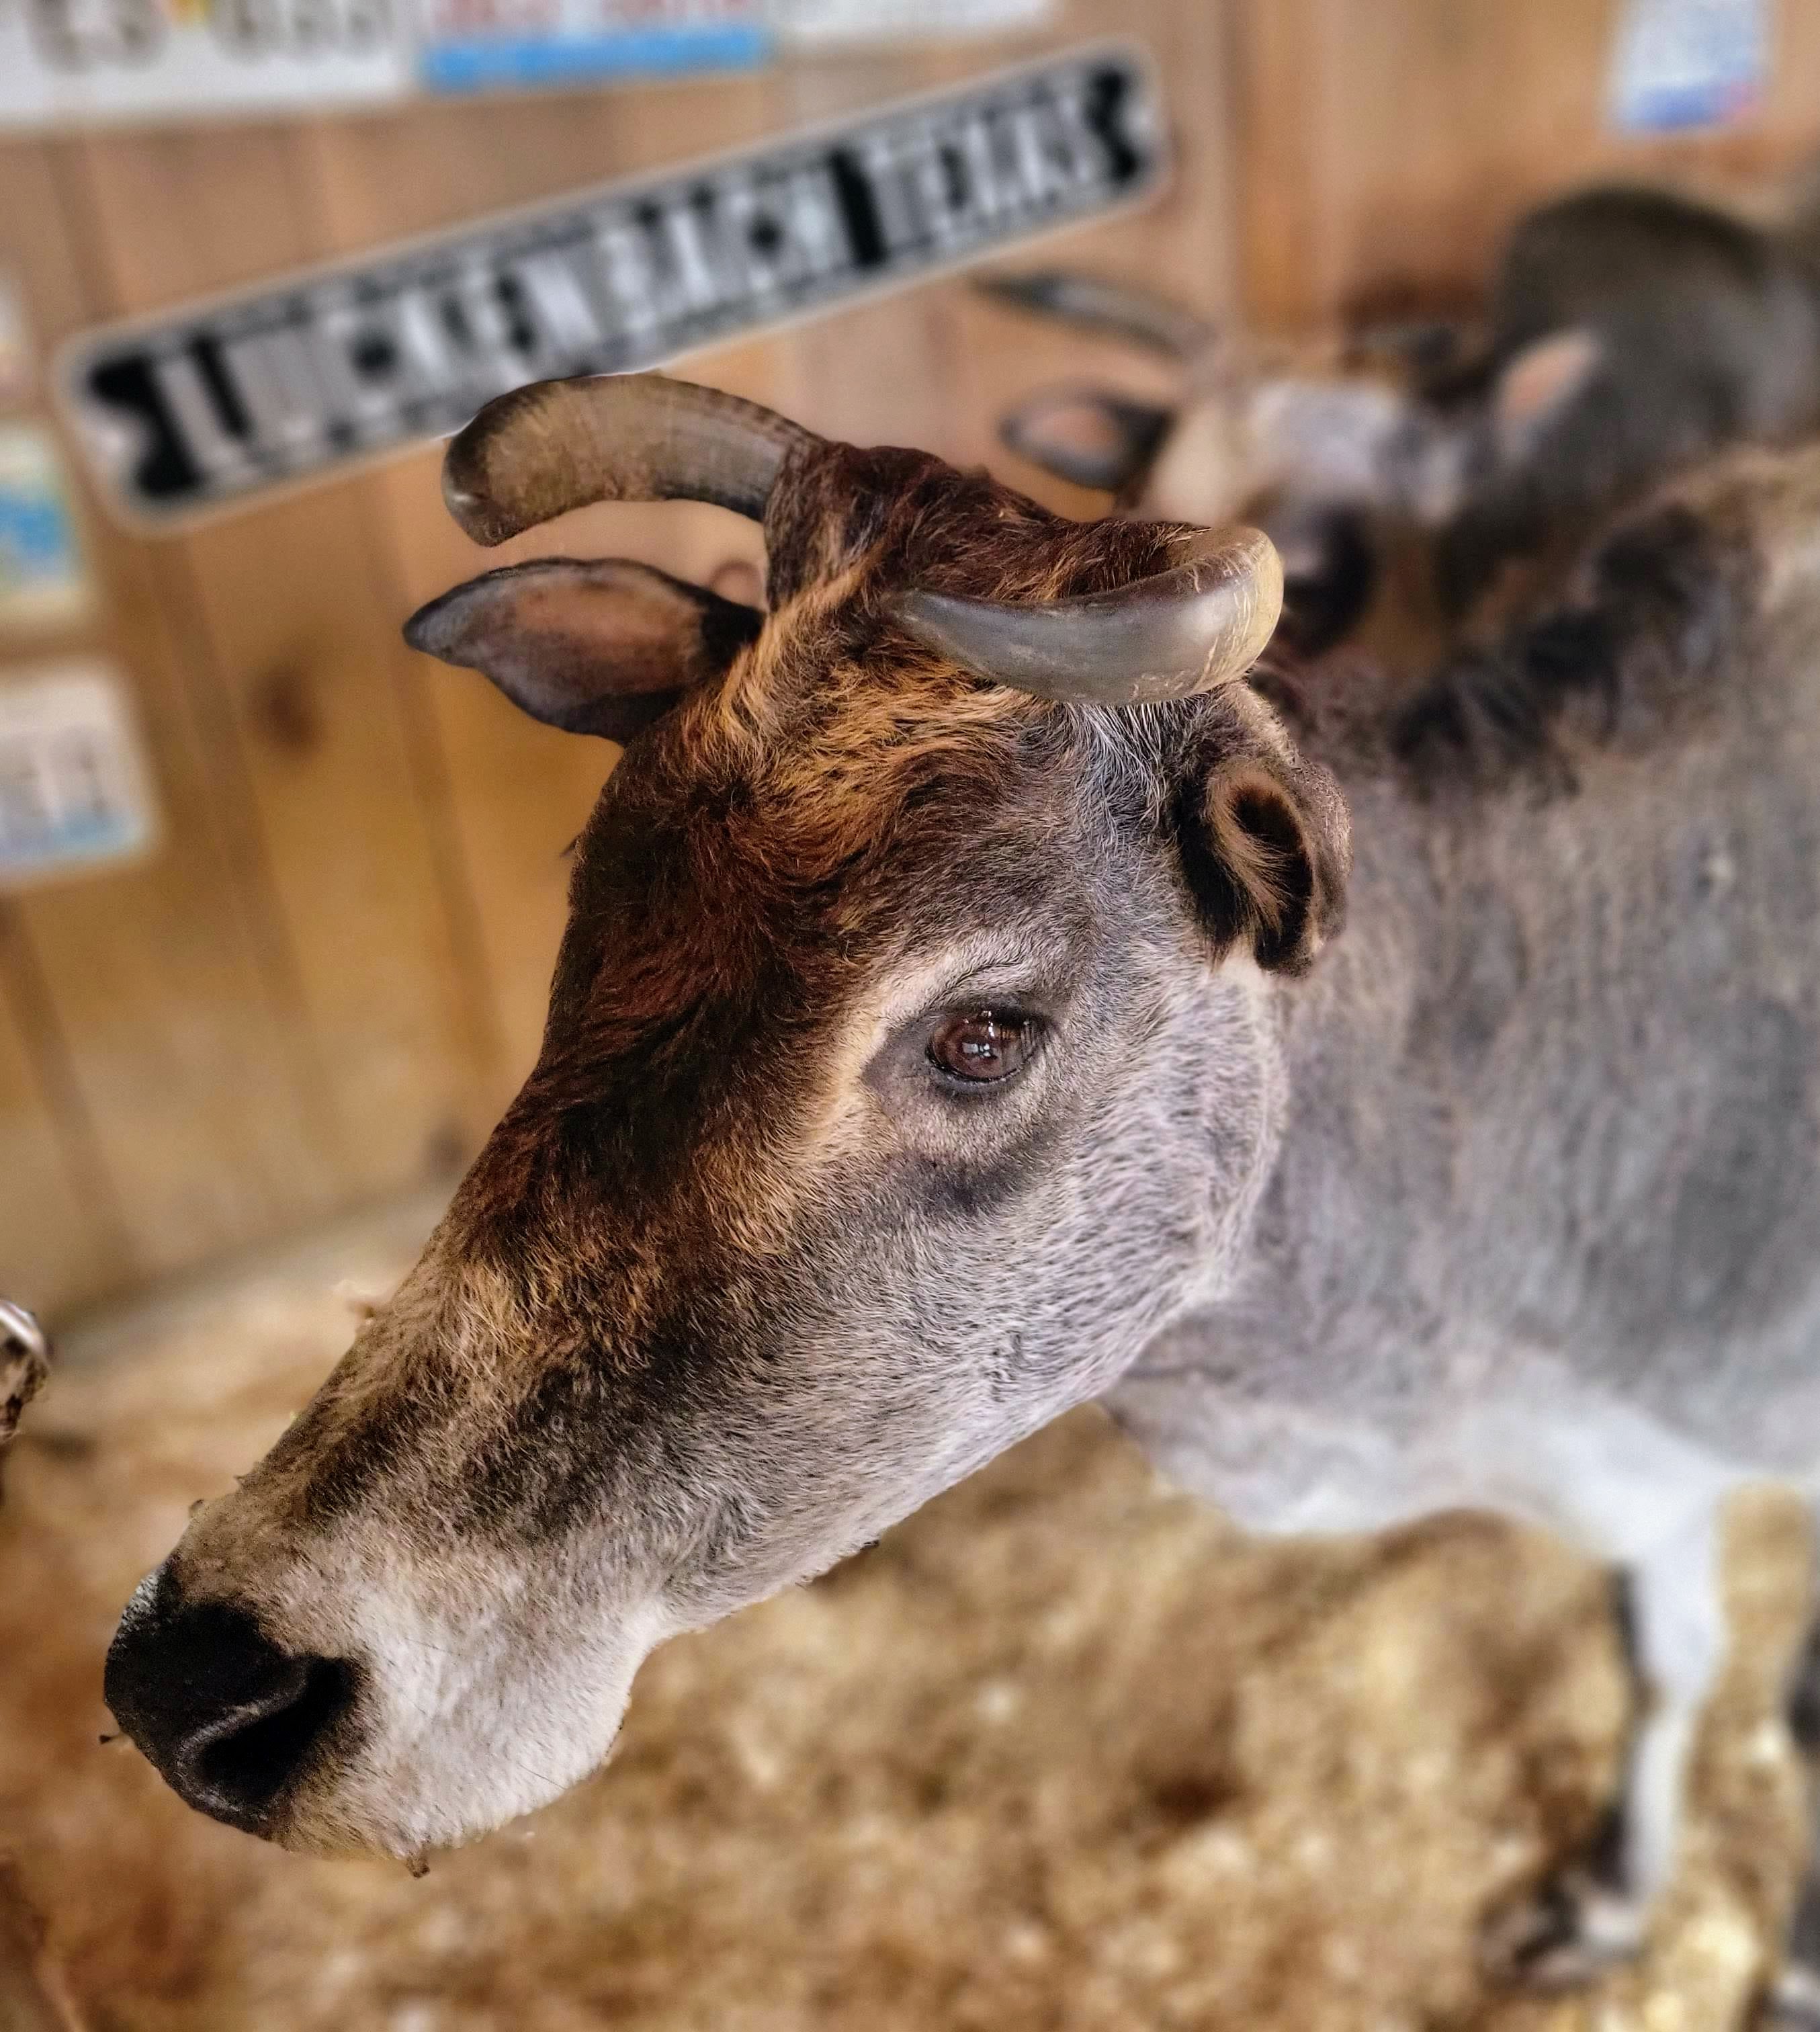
(232, 1723)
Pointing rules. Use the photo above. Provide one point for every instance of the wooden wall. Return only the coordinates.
(1386, 141)
(331, 977)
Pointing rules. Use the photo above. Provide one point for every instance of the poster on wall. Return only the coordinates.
(1681, 64)
(196, 409)
(75, 795)
(80, 60)
(43, 579)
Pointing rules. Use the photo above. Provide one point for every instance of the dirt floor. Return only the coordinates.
(1065, 1751)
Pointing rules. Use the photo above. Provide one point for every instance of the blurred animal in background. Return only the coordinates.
(1628, 332)
(1320, 443)
(1631, 332)
(953, 1026)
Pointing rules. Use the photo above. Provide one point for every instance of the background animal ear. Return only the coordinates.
(1534, 386)
(1266, 848)
(1089, 436)
(593, 646)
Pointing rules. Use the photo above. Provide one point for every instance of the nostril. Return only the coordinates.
(230, 1719)
(237, 1767)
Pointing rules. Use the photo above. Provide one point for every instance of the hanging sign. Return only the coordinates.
(1680, 64)
(73, 793)
(72, 60)
(199, 408)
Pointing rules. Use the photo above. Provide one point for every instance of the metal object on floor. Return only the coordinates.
(24, 1364)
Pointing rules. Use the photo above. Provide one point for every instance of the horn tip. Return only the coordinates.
(469, 488)
(475, 514)
(1256, 561)
(1269, 580)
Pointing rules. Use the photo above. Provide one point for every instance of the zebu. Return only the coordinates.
(942, 1036)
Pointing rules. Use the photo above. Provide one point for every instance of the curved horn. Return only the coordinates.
(539, 451)
(1112, 308)
(1192, 629)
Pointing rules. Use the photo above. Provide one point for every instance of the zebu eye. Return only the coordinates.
(983, 1046)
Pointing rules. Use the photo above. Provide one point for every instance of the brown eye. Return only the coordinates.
(983, 1045)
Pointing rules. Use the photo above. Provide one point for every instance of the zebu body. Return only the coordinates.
(1552, 1133)
(1507, 1197)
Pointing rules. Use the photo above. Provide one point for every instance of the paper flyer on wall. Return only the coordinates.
(75, 60)
(1680, 64)
(74, 793)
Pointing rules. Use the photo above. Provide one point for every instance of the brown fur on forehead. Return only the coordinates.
(747, 850)
(837, 722)
(909, 518)
(806, 765)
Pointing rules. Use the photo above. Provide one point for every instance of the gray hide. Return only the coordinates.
(1542, 1232)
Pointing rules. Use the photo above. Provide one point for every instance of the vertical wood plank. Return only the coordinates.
(287, 615)
(160, 1010)
(62, 1239)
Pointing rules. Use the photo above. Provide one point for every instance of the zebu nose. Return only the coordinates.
(230, 1720)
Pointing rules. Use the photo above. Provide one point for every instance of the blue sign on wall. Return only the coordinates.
(1680, 64)
(487, 45)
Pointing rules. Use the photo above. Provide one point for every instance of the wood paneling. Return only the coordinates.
(333, 973)
(161, 1029)
(61, 1234)
(289, 619)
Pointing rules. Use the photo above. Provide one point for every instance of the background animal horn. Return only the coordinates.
(1192, 629)
(539, 451)
(1109, 308)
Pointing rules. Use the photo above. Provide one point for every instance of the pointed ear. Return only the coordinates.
(1534, 386)
(593, 646)
(1266, 847)
(1086, 435)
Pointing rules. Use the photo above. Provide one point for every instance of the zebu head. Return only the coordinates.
(908, 1066)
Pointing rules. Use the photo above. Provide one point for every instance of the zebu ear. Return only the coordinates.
(593, 646)
(1266, 847)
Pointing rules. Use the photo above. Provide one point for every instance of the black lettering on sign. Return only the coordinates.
(191, 411)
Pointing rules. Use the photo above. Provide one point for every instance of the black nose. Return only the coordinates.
(229, 1720)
